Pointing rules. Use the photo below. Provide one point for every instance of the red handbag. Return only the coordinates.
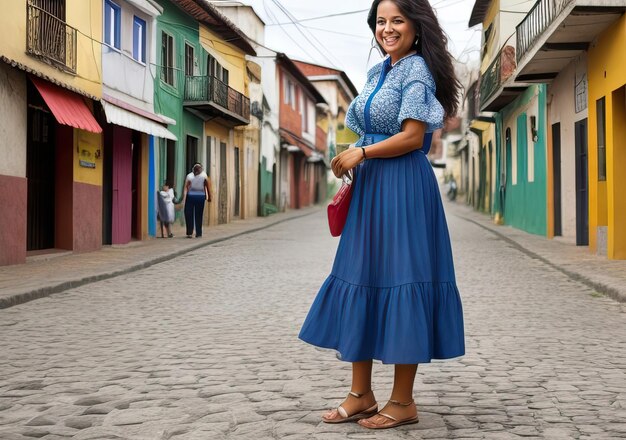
(339, 206)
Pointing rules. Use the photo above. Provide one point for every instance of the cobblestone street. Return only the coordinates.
(205, 347)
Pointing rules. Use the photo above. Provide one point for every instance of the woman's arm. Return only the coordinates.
(410, 138)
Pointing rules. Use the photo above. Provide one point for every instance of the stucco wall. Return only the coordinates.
(84, 15)
(12, 122)
(562, 109)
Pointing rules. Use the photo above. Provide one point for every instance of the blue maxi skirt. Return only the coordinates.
(392, 293)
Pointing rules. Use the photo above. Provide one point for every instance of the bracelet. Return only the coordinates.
(364, 155)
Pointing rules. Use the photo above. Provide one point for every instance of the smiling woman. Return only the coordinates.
(392, 292)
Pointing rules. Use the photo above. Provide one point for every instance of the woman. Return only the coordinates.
(197, 191)
(392, 293)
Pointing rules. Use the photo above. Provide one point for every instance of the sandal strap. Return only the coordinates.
(342, 411)
(388, 416)
(395, 402)
(359, 395)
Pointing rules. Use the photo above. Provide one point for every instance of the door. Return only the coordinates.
(556, 172)
(508, 167)
(582, 189)
(40, 172)
(222, 216)
(191, 154)
(237, 209)
(136, 221)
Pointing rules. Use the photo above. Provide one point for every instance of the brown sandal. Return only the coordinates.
(343, 415)
(391, 421)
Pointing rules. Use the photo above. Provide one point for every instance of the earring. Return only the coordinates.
(417, 39)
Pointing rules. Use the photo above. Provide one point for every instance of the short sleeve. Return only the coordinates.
(418, 97)
(351, 120)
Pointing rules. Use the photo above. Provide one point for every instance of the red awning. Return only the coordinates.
(67, 107)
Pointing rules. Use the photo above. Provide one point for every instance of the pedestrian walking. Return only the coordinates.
(197, 193)
(166, 210)
(392, 294)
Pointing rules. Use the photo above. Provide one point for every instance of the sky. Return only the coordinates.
(344, 41)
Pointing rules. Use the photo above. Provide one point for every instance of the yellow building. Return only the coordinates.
(607, 150)
(51, 166)
(235, 143)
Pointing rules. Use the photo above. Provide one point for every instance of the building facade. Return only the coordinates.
(50, 143)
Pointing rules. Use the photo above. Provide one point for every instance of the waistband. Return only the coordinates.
(371, 138)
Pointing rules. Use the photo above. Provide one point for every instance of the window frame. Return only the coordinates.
(190, 55)
(168, 70)
(139, 50)
(114, 19)
(601, 137)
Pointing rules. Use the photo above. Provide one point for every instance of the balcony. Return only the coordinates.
(496, 86)
(213, 98)
(50, 39)
(555, 31)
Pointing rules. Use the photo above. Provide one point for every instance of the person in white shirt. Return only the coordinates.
(197, 192)
(166, 209)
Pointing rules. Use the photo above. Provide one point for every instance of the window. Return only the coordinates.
(216, 70)
(139, 39)
(167, 58)
(189, 59)
(191, 156)
(112, 24)
(601, 126)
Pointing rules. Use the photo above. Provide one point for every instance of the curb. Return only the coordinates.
(42, 292)
(616, 294)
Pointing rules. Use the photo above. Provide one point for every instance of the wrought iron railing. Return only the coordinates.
(496, 74)
(540, 16)
(490, 81)
(210, 89)
(51, 38)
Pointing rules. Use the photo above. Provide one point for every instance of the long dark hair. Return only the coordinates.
(432, 46)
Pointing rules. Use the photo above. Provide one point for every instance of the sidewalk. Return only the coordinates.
(606, 276)
(44, 275)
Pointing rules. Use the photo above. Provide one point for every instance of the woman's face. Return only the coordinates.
(394, 32)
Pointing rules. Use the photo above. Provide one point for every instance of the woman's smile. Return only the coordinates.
(394, 32)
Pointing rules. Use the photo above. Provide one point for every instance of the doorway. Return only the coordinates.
(136, 185)
(582, 190)
(40, 172)
(222, 216)
(556, 173)
(237, 207)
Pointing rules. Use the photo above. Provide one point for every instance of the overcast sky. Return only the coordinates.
(326, 44)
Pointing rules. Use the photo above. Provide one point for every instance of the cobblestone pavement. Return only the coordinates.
(204, 347)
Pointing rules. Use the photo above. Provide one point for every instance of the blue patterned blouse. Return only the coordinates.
(405, 90)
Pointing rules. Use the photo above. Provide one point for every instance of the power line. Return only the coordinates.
(316, 47)
(321, 17)
(272, 16)
(335, 32)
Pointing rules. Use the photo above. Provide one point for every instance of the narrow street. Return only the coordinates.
(205, 347)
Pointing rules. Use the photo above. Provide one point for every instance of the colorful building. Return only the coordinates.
(201, 86)
(131, 128)
(264, 102)
(302, 167)
(583, 67)
(510, 166)
(51, 144)
(607, 135)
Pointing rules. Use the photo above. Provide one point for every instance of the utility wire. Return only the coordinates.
(273, 17)
(321, 17)
(298, 27)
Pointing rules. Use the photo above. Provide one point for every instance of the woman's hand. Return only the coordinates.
(345, 161)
